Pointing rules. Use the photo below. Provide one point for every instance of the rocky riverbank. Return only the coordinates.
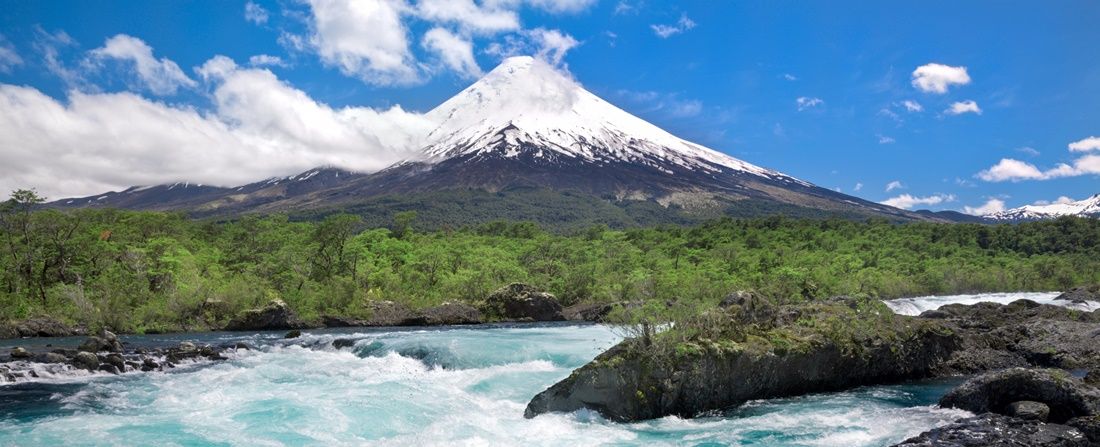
(752, 349)
(105, 353)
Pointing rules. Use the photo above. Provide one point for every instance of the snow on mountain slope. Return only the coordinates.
(525, 104)
(1089, 207)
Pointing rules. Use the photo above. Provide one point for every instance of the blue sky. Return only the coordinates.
(830, 92)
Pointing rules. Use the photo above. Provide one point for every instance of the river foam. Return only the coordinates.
(918, 305)
(443, 386)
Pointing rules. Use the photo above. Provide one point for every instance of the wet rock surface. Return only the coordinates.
(452, 314)
(1083, 293)
(38, 327)
(1009, 391)
(994, 430)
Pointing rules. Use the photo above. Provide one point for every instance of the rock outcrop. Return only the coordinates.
(38, 327)
(592, 312)
(1003, 392)
(274, 316)
(1019, 334)
(452, 314)
(523, 302)
(994, 430)
(632, 382)
(1083, 293)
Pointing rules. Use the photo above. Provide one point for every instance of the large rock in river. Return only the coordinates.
(275, 316)
(1003, 392)
(38, 327)
(994, 430)
(518, 301)
(824, 348)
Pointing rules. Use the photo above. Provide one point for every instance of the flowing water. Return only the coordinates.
(438, 386)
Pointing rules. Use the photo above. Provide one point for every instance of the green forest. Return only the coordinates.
(155, 271)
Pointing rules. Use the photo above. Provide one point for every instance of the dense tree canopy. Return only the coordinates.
(144, 271)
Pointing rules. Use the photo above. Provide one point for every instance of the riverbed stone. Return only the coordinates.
(1030, 410)
(86, 360)
(1065, 396)
(1083, 293)
(20, 353)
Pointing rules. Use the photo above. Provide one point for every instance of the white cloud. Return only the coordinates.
(937, 78)
(804, 102)
(906, 201)
(669, 103)
(8, 57)
(990, 207)
(666, 31)
(624, 8)
(912, 106)
(1085, 145)
(548, 44)
(1011, 169)
(961, 107)
(790, 77)
(50, 45)
(259, 127)
(553, 6)
(255, 13)
(365, 39)
(883, 139)
(266, 60)
(162, 77)
(453, 51)
(1062, 200)
(894, 185)
(468, 15)
(858, 187)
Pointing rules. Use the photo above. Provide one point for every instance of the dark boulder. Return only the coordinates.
(116, 360)
(276, 315)
(339, 321)
(1083, 293)
(994, 430)
(341, 343)
(20, 353)
(593, 312)
(293, 334)
(53, 357)
(101, 344)
(1089, 425)
(452, 314)
(1066, 396)
(389, 313)
(518, 301)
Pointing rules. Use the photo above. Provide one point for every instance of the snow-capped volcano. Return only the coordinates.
(528, 142)
(526, 104)
(1089, 207)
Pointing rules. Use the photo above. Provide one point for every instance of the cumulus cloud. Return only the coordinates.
(1009, 169)
(1062, 200)
(912, 106)
(259, 127)
(990, 207)
(1085, 145)
(894, 185)
(366, 39)
(453, 51)
(906, 201)
(665, 31)
(937, 78)
(961, 107)
(9, 58)
(468, 15)
(805, 102)
(255, 13)
(161, 77)
(883, 139)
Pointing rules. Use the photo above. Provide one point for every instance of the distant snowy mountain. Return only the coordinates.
(525, 135)
(1089, 207)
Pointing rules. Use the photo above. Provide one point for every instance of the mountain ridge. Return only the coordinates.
(527, 126)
